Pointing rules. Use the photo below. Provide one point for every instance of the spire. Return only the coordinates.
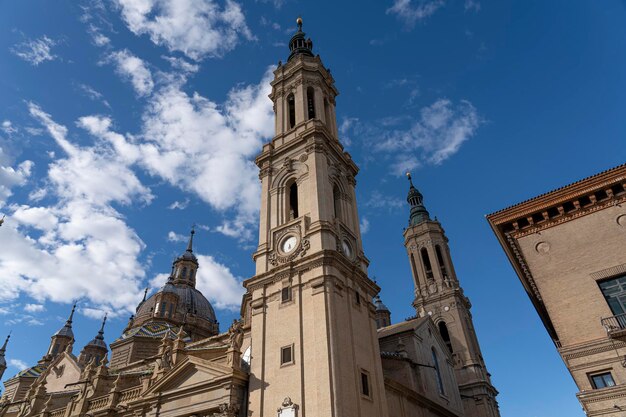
(4, 345)
(188, 254)
(298, 45)
(67, 329)
(145, 294)
(419, 214)
(3, 362)
(190, 244)
(99, 339)
(100, 335)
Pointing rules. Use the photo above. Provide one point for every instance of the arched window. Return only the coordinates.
(293, 201)
(443, 330)
(437, 371)
(337, 201)
(442, 266)
(291, 111)
(162, 310)
(427, 266)
(310, 102)
(414, 267)
(184, 274)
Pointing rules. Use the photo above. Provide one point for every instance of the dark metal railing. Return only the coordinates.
(615, 323)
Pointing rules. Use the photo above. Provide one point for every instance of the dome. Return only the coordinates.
(190, 301)
(379, 304)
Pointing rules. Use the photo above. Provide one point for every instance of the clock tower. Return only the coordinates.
(314, 346)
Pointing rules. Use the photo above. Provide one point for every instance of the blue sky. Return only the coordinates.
(122, 126)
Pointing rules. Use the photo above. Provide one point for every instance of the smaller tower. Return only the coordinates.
(383, 315)
(61, 339)
(438, 294)
(3, 362)
(185, 266)
(96, 349)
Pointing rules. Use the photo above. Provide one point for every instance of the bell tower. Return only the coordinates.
(314, 346)
(439, 295)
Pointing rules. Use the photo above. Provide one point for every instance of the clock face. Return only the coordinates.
(289, 244)
(347, 249)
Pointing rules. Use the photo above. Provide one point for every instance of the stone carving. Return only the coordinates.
(288, 408)
(227, 410)
(58, 370)
(235, 335)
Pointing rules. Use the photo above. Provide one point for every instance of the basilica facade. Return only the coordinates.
(314, 338)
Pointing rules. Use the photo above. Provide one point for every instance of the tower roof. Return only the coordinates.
(379, 304)
(99, 339)
(419, 214)
(188, 254)
(3, 349)
(66, 330)
(298, 45)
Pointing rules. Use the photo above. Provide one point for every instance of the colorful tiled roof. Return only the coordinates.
(155, 329)
(32, 372)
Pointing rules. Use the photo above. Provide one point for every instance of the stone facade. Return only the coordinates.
(314, 338)
(566, 246)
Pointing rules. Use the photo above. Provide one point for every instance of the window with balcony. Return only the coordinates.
(614, 291)
(602, 380)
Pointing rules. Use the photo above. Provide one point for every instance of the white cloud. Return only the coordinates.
(176, 237)
(93, 94)
(432, 137)
(182, 65)
(364, 226)
(12, 177)
(35, 51)
(8, 128)
(218, 284)
(34, 308)
(472, 5)
(80, 245)
(18, 363)
(377, 200)
(197, 28)
(179, 205)
(202, 147)
(135, 70)
(412, 11)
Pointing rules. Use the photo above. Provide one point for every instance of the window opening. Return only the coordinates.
(310, 102)
(365, 384)
(291, 105)
(445, 335)
(286, 355)
(285, 294)
(337, 202)
(602, 380)
(427, 266)
(293, 201)
(442, 266)
(437, 372)
(614, 291)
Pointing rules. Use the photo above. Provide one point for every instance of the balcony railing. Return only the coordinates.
(615, 325)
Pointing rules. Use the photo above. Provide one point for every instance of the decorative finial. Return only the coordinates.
(2, 220)
(145, 294)
(4, 345)
(299, 22)
(69, 320)
(190, 244)
(104, 320)
(408, 175)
